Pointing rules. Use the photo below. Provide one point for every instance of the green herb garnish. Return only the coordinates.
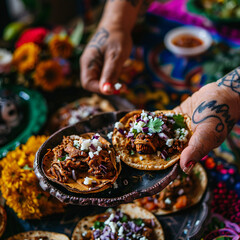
(26, 167)
(99, 225)
(62, 158)
(179, 121)
(138, 221)
(132, 152)
(124, 218)
(155, 125)
(168, 158)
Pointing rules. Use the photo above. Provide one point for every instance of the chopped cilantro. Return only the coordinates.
(168, 158)
(138, 221)
(26, 167)
(155, 125)
(179, 121)
(62, 158)
(132, 152)
(99, 225)
(134, 131)
(124, 218)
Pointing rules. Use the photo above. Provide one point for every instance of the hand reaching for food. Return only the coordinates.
(103, 58)
(214, 110)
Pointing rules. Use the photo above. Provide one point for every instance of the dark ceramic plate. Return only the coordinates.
(132, 183)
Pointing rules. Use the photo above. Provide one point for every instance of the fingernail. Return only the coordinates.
(107, 87)
(189, 166)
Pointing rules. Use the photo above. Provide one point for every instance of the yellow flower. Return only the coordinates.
(48, 75)
(19, 185)
(60, 46)
(25, 57)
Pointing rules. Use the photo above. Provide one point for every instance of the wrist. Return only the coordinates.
(230, 84)
(120, 15)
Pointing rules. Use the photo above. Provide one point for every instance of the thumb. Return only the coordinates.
(110, 73)
(203, 140)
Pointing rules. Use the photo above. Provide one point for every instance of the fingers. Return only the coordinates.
(203, 140)
(100, 73)
(111, 71)
(91, 66)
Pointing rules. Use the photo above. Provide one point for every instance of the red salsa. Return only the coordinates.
(187, 41)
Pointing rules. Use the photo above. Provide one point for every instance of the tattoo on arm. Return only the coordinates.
(218, 111)
(134, 3)
(231, 80)
(99, 39)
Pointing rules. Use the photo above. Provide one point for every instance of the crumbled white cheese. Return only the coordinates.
(169, 142)
(168, 201)
(99, 148)
(85, 144)
(109, 135)
(143, 238)
(181, 134)
(76, 143)
(111, 217)
(96, 143)
(113, 226)
(117, 86)
(118, 159)
(115, 185)
(87, 181)
(118, 125)
(91, 155)
(120, 231)
(84, 234)
(181, 191)
(170, 114)
(141, 158)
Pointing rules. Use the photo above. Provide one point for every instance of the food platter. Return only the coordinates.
(131, 183)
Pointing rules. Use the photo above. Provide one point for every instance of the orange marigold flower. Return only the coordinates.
(48, 75)
(61, 46)
(19, 184)
(25, 57)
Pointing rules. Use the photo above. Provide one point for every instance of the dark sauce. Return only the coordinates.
(187, 41)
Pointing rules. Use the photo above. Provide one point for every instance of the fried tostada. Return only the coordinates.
(127, 222)
(82, 164)
(79, 110)
(151, 140)
(184, 192)
(39, 235)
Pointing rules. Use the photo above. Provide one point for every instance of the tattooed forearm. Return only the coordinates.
(99, 39)
(231, 80)
(134, 3)
(212, 109)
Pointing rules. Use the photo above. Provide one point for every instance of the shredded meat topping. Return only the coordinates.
(148, 143)
(68, 158)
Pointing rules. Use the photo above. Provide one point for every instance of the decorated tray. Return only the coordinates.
(131, 183)
(32, 111)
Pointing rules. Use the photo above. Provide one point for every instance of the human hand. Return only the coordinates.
(103, 58)
(214, 109)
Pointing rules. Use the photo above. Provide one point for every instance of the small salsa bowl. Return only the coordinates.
(188, 41)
